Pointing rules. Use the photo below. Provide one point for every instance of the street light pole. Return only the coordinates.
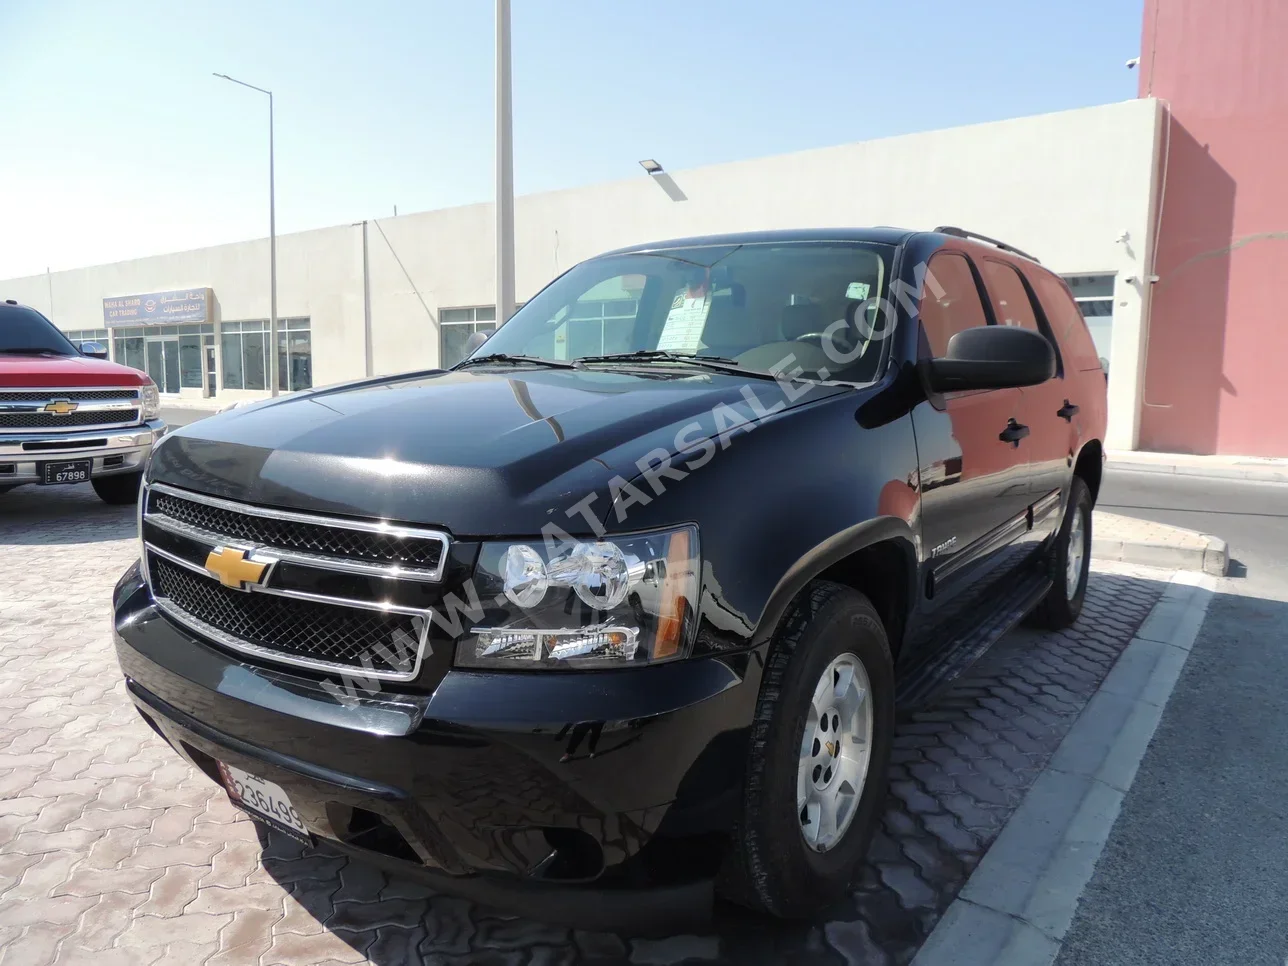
(272, 240)
(504, 169)
(272, 255)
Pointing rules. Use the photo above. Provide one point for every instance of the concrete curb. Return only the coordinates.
(1018, 905)
(1258, 474)
(1214, 558)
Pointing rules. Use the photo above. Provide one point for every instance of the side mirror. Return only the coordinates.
(475, 340)
(992, 357)
(95, 350)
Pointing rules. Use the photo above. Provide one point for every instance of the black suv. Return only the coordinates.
(623, 606)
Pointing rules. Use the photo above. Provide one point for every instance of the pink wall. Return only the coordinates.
(1215, 379)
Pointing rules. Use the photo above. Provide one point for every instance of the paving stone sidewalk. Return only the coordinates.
(113, 850)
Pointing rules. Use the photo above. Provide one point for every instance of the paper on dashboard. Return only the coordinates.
(682, 331)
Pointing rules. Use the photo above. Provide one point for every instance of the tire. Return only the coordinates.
(771, 867)
(118, 490)
(1063, 602)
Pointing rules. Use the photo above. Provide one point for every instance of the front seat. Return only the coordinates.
(801, 319)
(727, 331)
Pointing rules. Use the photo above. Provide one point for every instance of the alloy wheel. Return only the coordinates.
(1076, 554)
(835, 752)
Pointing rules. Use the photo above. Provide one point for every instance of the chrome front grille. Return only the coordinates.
(52, 410)
(76, 420)
(287, 610)
(284, 627)
(74, 395)
(389, 546)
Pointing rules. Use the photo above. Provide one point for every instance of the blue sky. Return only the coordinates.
(118, 142)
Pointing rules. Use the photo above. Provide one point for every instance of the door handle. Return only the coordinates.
(1067, 411)
(1013, 433)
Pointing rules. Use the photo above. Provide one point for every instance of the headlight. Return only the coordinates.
(617, 602)
(151, 400)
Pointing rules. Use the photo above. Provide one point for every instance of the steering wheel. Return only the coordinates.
(816, 338)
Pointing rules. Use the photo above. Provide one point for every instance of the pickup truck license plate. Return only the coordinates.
(264, 799)
(71, 471)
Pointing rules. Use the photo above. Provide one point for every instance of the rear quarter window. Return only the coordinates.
(1065, 320)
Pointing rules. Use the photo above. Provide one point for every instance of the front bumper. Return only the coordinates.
(110, 451)
(487, 788)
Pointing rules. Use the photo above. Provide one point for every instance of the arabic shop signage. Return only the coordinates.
(158, 308)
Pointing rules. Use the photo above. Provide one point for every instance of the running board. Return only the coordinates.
(935, 672)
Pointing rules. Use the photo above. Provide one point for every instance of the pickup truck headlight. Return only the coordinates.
(151, 399)
(622, 601)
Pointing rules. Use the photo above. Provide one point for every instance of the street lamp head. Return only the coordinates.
(651, 166)
(242, 83)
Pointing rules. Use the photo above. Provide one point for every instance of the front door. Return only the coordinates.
(210, 370)
(163, 364)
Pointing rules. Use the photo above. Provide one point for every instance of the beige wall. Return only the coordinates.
(1063, 186)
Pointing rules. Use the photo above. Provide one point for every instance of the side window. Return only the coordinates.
(1010, 300)
(1066, 321)
(950, 304)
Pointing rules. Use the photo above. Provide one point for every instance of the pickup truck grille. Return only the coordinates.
(74, 395)
(77, 420)
(288, 610)
(55, 410)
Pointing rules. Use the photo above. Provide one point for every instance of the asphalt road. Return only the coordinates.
(1195, 872)
(1251, 517)
(176, 416)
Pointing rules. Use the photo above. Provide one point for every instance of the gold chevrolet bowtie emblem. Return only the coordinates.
(233, 568)
(60, 407)
(831, 748)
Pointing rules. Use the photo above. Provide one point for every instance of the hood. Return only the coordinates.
(477, 453)
(64, 372)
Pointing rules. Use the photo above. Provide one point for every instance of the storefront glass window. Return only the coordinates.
(455, 328)
(245, 348)
(294, 355)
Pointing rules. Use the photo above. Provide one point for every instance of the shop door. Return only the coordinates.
(210, 369)
(163, 364)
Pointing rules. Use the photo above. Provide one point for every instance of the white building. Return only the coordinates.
(1074, 188)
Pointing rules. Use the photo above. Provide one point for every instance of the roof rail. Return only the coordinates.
(963, 233)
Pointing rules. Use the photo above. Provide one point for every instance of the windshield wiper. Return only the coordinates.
(720, 363)
(34, 352)
(508, 359)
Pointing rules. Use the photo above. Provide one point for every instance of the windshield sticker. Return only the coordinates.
(858, 290)
(684, 323)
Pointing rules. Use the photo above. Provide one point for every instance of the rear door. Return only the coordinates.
(1045, 409)
(974, 483)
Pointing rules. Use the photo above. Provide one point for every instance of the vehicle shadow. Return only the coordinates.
(960, 766)
(32, 515)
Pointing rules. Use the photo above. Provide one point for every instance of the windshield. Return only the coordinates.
(765, 307)
(24, 330)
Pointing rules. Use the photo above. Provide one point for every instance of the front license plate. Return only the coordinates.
(71, 471)
(263, 799)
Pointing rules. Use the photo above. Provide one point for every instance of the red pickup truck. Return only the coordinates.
(67, 414)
